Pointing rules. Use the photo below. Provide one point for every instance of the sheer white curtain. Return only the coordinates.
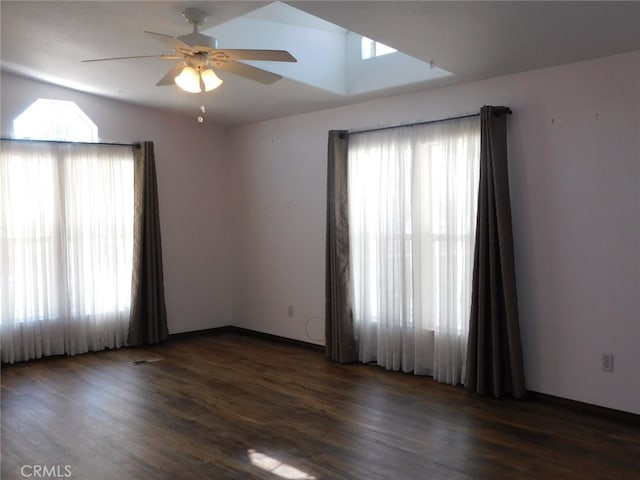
(66, 242)
(412, 206)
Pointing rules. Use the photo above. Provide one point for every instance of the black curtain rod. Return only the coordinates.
(497, 112)
(136, 145)
(391, 127)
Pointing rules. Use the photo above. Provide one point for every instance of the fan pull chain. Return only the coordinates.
(202, 109)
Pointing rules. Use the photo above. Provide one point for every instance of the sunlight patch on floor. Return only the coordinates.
(276, 467)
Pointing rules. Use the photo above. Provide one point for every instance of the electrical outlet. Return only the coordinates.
(290, 311)
(607, 362)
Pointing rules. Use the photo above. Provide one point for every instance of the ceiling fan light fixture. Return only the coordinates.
(210, 80)
(194, 81)
(188, 80)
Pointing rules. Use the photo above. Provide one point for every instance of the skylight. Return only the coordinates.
(329, 56)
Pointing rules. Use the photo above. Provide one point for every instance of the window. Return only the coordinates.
(66, 238)
(48, 119)
(371, 49)
(412, 202)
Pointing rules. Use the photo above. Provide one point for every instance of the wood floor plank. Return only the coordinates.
(231, 406)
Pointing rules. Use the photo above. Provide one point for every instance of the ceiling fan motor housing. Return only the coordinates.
(199, 61)
(199, 41)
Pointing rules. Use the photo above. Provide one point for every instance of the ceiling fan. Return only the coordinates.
(199, 55)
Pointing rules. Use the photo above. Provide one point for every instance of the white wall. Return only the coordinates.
(191, 167)
(574, 142)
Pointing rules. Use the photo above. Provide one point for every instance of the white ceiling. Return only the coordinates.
(472, 40)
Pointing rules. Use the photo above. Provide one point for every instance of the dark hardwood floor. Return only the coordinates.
(239, 407)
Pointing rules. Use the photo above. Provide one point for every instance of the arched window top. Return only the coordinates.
(47, 119)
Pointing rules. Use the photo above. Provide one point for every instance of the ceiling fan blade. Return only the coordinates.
(247, 54)
(177, 56)
(124, 58)
(169, 78)
(198, 41)
(247, 71)
(175, 43)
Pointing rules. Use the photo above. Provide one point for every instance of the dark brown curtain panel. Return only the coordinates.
(339, 332)
(494, 352)
(148, 311)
